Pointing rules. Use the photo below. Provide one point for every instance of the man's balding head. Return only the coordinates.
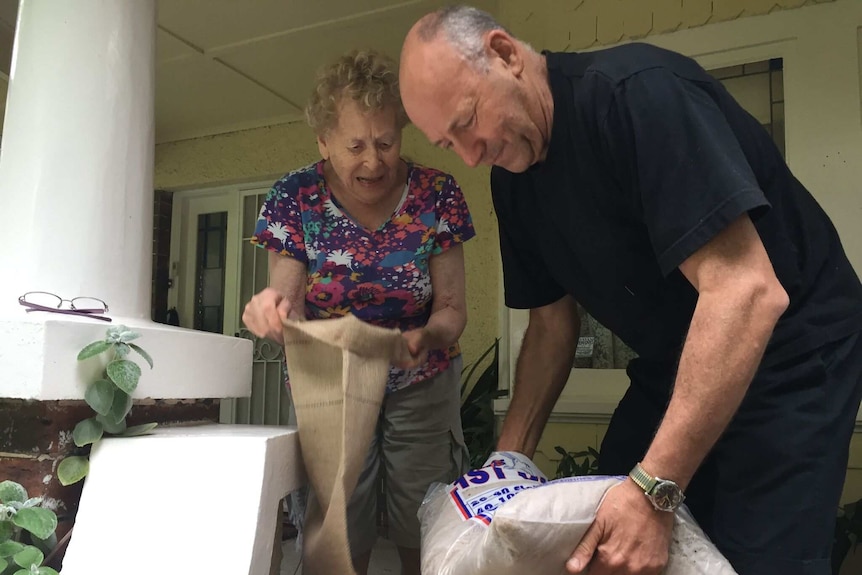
(462, 84)
(461, 27)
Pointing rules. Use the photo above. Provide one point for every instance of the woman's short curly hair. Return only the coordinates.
(367, 77)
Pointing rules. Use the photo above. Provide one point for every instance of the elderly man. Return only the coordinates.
(630, 181)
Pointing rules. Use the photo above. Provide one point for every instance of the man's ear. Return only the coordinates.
(501, 45)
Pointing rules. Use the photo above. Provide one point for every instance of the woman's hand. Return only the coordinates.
(417, 345)
(448, 308)
(265, 313)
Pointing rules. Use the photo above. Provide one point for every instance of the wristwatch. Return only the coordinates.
(664, 494)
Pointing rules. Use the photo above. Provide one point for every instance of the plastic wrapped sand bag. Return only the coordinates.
(476, 526)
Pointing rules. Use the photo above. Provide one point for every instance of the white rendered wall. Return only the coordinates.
(76, 205)
(76, 166)
(38, 361)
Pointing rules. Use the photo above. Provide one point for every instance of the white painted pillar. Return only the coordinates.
(76, 166)
(76, 205)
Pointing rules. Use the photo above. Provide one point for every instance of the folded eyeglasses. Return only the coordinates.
(80, 306)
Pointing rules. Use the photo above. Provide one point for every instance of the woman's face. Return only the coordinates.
(364, 151)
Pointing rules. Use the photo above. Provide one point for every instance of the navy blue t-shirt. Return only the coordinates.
(649, 159)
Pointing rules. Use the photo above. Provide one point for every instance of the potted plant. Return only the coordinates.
(26, 532)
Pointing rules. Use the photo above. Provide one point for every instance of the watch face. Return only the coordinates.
(667, 495)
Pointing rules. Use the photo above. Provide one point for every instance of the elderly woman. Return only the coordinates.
(365, 232)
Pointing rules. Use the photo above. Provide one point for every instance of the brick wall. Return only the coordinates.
(577, 24)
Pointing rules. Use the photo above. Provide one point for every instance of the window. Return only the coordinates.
(759, 88)
(210, 268)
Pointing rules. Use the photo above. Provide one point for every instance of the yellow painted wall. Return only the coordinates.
(265, 154)
(853, 483)
(261, 154)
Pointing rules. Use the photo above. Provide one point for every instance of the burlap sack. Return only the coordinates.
(338, 370)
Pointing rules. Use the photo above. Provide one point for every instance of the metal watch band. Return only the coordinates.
(642, 479)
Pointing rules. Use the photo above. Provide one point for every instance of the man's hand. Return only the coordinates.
(265, 312)
(417, 345)
(628, 537)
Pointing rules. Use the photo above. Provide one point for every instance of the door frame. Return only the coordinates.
(187, 206)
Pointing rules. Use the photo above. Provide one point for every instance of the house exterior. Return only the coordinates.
(818, 45)
(795, 64)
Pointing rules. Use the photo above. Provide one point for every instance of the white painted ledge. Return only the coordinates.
(590, 396)
(38, 359)
(198, 499)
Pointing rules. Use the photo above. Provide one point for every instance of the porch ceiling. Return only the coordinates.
(225, 65)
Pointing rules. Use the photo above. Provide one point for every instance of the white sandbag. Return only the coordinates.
(508, 519)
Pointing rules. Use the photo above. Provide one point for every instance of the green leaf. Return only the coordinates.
(5, 533)
(10, 548)
(125, 374)
(121, 349)
(136, 430)
(28, 557)
(143, 354)
(44, 571)
(93, 349)
(87, 431)
(3, 564)
(488, 380)
(32, 502)
(72, 470)
(44, 545)
(129, 335)
(121, 334)
(112, 427)
(11, 491)
(100, 396)
(119, 409)
(112, 334)
(39, 521)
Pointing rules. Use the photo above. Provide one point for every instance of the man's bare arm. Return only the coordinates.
(740, 300)
(543, 368)
(739, 303)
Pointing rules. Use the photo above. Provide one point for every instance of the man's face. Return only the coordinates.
(481, 115)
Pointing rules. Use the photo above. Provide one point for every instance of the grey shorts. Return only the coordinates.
(419, 441)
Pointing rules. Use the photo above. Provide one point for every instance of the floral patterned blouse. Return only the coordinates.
(381, 276)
